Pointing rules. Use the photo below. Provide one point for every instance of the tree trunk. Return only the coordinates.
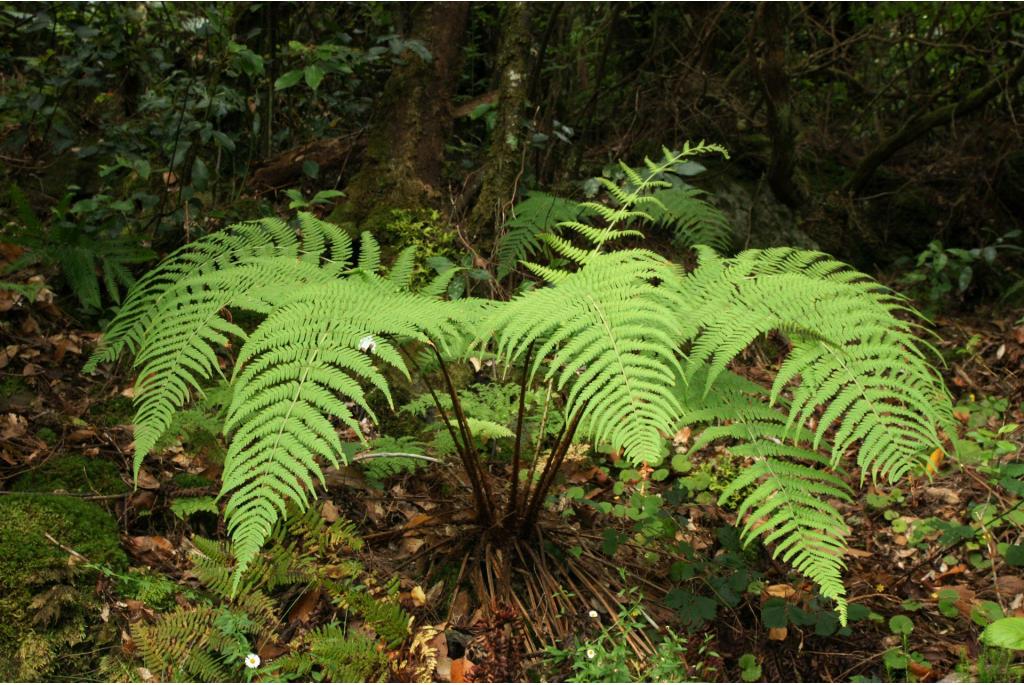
(771, 19)
(506, 152)
(402, 168)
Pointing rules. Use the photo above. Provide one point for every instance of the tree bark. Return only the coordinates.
(772, 20)
(404, 158)
(918, 126)
(505, 158)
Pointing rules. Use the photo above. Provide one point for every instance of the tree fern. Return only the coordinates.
(613, 331)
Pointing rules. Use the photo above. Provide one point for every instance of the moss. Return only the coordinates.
(191, 480)
(47, 435)
(11, 386)
(73, 473)
(117, 411)
(47, 606)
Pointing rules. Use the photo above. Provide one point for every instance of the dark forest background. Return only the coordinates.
(867, 130)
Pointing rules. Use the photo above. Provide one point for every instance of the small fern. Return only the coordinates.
(334, 655)
(88, 262)
(536, 214)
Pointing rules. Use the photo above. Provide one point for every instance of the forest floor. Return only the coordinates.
(942, 551)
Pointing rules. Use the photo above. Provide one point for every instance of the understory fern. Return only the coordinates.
(633, 345)
(207, 641)
(88, 262)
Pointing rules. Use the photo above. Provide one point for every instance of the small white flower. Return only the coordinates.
(593, 614)
(252, 661)
(591, 654)
(367, 344)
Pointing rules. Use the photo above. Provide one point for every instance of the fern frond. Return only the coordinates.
(786, 489)
(538, 213)
(269, 237)
(291, 375)
(693, 220)
(789, 506)
(611, 330)
(850, 351)
(168, 643)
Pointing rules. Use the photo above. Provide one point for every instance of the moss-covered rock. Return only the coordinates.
(73, 473)
(48, 608)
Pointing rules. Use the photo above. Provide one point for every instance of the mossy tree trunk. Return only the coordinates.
(505, 158)
(402, 168)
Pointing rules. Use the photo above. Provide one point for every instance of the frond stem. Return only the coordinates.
(478, 492)
(513, 499)
(550, 470)
(472, 458)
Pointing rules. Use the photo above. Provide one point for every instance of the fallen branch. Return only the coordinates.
(917, 127)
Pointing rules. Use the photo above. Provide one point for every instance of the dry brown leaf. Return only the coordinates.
(154, 550)
(81, 435)
(782, 590)
(443, 670)
(460, 608)
(461, 670)
(147, 481)
(329, 512)
(305, 606)
(12, 426)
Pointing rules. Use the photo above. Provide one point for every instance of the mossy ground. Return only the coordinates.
(48, 609)
(115, 411)
(73, 473)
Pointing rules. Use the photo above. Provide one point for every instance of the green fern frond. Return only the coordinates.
(693, 220)
(292, 374)
(166, 644)
(850, 350)
(786, 490)
(538, 213)
(611, 330)
(270, 237)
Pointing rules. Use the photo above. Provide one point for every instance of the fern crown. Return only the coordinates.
(635, 345)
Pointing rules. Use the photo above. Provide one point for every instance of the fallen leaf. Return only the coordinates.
(147, 480)
(460, 608)
(782, 590)
(329, 512)
(410, 545)
(443, 669)
(154, 550)
(461, 670)
(81, 435)
(305, 606)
